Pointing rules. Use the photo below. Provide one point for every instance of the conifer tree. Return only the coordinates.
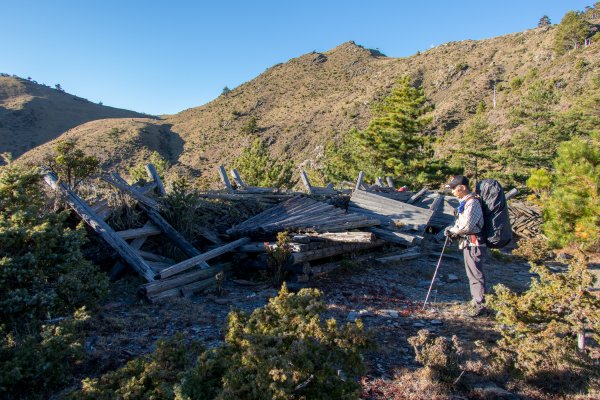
(571, 33)
(477, 146)
(394, 143)
(259, 169)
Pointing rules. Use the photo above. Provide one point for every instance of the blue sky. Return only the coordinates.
(161, 57)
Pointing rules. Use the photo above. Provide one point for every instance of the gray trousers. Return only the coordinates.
(474, 257)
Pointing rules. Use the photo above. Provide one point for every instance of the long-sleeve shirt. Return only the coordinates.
(470, 220)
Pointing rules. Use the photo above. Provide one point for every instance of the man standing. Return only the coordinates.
(468, 227)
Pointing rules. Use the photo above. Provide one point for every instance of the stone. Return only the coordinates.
(435, 322)
(389, 313)
(352, 316)
(222, 302)
(451, 278)
(419, 325)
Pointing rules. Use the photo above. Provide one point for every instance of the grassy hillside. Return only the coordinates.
(301, 104)
(32, 114)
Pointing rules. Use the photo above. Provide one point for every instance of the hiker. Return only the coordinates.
(468, 228)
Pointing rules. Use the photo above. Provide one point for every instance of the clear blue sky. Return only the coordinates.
(161, 57)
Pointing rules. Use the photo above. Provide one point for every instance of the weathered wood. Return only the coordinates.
(330, 186)
(436, 202)
(512, 193)
(297, 258)
(101, 227)
(306, 182)
(345, 237)
(359, 181)
(113, 180)
(238, 179)
(396, 237)
(139, 232)
(120, 266)
(225, 179)
(191, 262)
(390, 181)
(146, 255)
(379, 181)
(417, 195)
(148, 188)
(153, 174)
(157, 266)
(153, 288)
(409, 254)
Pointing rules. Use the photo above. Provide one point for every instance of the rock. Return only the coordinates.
(423, 283)
(221, 301)
(389, 313)
(352, 316)
(419, 325)
(365, 313)
(435, 322)
(492, 391)
(451, 278)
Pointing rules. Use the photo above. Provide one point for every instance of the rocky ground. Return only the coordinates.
(388, 297)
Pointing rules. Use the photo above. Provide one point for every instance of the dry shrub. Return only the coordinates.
(441, 357)
(406, 385)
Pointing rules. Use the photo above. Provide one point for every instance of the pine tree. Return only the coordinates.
(571, 33)
(477, 146)
(544, 21)
(259, 169)
(394, 143)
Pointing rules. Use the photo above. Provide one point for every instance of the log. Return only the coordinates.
(120, 266)
(118, 183)
(409, 254)
(153, 174)
(101, 227)
(512, 193)
(153, 288)
(146, 255)
(345, 237)
(225, 179)
(297, 258)
(189, 263)
(390, 181)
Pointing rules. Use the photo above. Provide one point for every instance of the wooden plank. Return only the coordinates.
(359, 181)
(225, 179)
(153, 174)
(297, 258)
(139, 232)
(379, 181)
(153, 288)
(146, 255)
(390, 182)
(346, 237)
(238, 179)
(189, 263)
(512, 193)
(306, 182)
(113, 180)
(101, 227)
(396, 237)
(120, 266)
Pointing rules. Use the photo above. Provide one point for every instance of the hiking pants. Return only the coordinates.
(474, 257)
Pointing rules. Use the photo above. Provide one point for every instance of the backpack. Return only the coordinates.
(496, 228)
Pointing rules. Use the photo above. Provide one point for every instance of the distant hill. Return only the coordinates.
(303, 103)
(32, 114)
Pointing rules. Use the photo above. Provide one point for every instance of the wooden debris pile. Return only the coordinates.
(526, 220)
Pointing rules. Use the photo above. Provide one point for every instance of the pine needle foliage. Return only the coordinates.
(259, 169)
(571, 32)
(71, 164)
(283, 351)
(539, 327)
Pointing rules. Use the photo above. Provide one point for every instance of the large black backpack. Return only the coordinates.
(496, 229)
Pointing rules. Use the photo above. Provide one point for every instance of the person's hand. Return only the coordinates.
(448, 233)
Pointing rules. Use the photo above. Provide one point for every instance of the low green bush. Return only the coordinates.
(441, 357)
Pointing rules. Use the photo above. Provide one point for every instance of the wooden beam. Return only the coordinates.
(139, 232)
(359, 181)
(101, 227)
(189, 263)
(379, 181)
(390, 181)
(225, 179)
(512, 193)
(417, 196)
(238, 179)
(119, 184)
(153, 174)
(396, 237)
(306, 182)
(153, 288)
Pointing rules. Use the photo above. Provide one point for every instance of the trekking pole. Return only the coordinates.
(435, 273)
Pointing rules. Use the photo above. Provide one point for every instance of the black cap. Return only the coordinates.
(457, 180)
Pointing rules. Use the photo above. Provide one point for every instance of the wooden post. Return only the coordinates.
(238, 179)
(187, 264)
(512, 193)
(151, 170)
(379, 181)
(390, 181)
(306, 181)
(225, 179)
(359, 181)
(118, 183)
(417, 195)
(102, 228)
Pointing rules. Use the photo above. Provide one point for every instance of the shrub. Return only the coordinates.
(278, 256)
(282, 351)
(43, 276)
(148, 377)
(138, 173)
(259, 169)
(441, 357)
(536, 249)
(539, 327)
(180, 208)
(516, 83)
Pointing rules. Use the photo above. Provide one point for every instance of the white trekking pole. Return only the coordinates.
(435, 273)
